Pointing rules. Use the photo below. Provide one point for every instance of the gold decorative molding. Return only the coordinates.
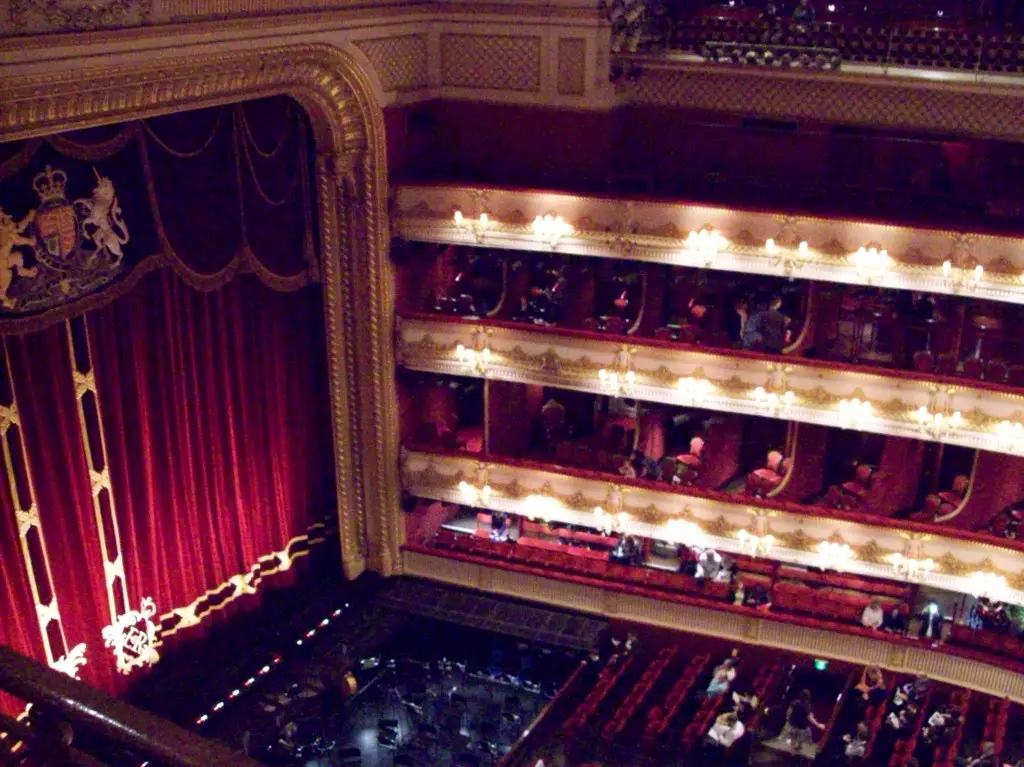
(726, 624)
(36, 16)
(351, 182)
(656, 232)
(731, 381)
(650, 513)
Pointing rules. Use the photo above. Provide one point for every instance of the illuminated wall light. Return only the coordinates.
(203, 719)
(756, 545)
(773, 401)
(218, 705)
(614, 384)
(803, 248)
(682, 531)
(706, 243)
(871, 263)
(473, 359)
(769, 246)
(910, 568)
(551, 229)
(250, 681)
(985, 584)
(694, 390)
(265, 670)
(854, 412)
(938, 423)
(947, 268)
(1010, 435)
(541, 506)
(478, 227)
(979, 272)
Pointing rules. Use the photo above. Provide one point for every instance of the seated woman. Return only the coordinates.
(872, 684)
(726, 730)
(720, 681)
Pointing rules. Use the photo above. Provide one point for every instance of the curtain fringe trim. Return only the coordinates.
(241, 584)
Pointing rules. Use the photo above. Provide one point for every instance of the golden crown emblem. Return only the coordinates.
(50, 184)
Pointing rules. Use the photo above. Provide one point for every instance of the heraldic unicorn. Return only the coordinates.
(61, 250)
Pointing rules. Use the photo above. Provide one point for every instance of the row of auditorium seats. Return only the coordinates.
(701, 722)
(987, 641)
(875, 717)
(606, 682)
(833, 604)
(902, 45)
(829, 601)
(993, 371)
(905, 747)
(659, 723)
(831, 730)
(945, 754)
(997, 718)
(639, 695)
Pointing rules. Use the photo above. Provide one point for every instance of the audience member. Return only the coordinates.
(985, 758)
(895, 621)
(728, 728)
(803, 14)
(796, 733)
(872, 684)
(856, 743)
(873, 616)
(719, 683)
(766, 329)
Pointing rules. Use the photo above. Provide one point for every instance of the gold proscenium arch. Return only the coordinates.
(351, 187)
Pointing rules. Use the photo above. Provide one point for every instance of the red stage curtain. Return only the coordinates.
(41, 373)
(19, 628)
(216, 414)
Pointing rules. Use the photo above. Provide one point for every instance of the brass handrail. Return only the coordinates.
(94, 711)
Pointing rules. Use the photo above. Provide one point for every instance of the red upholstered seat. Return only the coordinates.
(945, 364)
(974, 369)
(996, 371)
(924, 361)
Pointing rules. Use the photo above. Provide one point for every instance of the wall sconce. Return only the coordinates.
(694, 391)
(478, 227)
(756, 545)
(551, 229)
(476, 361)
(962, 277)
(610, 523)
(871, 263)
(835, 554)
(707, 243)
(1011, 436)
(938, 424)
(773, 402)
(541, 506)
(854, 413)
(789, 259)
(682, 531)
(616, 385)
(910, 568)
(988, 585)
(473, 495)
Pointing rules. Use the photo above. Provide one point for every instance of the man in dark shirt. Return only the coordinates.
(767, 328)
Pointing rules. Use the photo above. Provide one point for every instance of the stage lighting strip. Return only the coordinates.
(94, 445)
(266, 669)
(27, 517)
(241, 584)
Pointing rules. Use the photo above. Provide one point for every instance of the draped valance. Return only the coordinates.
(210, 193)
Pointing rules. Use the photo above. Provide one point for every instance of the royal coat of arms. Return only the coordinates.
(62, 250)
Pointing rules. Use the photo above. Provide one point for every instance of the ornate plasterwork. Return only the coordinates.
(572, 66)
(731, 382)
(831, 99)
(27, 16)
(656, 232)
(351, 182)
(491, 62)
(797, 536)
(400, 62)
